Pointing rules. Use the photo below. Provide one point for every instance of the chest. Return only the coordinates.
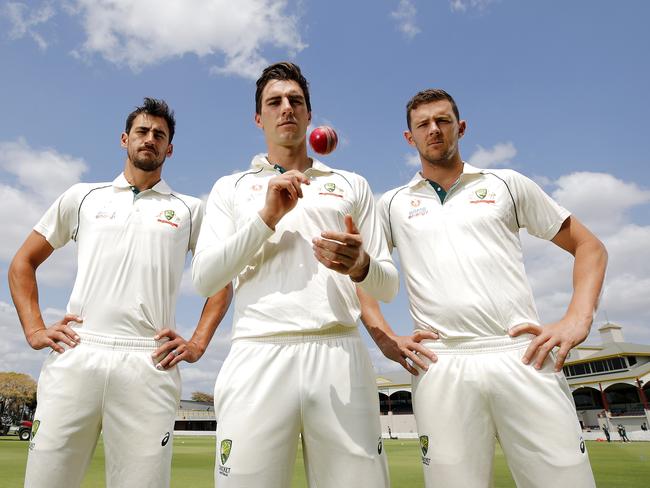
(473, 209)
(121, 216)
(326, 199)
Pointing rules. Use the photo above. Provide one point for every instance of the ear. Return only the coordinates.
(170, 150)
(258, 121)
(462, 126)
(124, 140)
(409, 138)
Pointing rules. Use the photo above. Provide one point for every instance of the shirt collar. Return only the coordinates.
(161, 187)
(261, 161)
(468, 169)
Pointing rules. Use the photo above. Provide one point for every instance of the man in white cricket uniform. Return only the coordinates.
(298, 237)
(114, 373)
(456, 229)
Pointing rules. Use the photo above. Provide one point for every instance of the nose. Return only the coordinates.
(286, 106)
(433, 128)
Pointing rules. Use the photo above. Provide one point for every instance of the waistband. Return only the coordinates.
(335, 332)
(478, 345)
(119, 343)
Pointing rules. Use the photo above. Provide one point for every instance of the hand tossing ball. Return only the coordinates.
(323, 139)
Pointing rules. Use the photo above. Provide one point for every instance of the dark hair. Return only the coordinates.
(157, 108)
(427, 96)
(281, 71)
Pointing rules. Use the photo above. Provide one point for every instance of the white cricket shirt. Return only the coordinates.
(280, 286)
(462, 259)
(130, 252)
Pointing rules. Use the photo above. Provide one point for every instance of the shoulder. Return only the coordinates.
(390, 196)
(79, 191)
(192, 203)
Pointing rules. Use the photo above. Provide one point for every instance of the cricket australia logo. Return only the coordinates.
(168, 217)
(224, 454)
(483, 196)
(424, 447)
(330, 189)
(35, 426)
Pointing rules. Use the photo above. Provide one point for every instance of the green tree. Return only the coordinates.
(16, 391)
(199, 396)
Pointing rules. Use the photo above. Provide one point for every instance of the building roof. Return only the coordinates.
(393, 379)
(611, 349)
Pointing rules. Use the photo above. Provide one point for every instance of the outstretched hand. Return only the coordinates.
(343, 251)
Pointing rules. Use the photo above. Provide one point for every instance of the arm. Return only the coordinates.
(394, 347)
(588, 276)
(191, 351)
(225, 247)
(24, 292)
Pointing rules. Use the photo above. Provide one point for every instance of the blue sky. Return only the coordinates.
(555, 89)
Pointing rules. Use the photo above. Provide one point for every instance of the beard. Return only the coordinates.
(146, 161)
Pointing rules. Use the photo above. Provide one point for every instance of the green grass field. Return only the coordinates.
(615, 465)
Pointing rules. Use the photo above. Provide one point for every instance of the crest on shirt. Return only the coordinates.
(224, 450)
(168, 217)
(330, 189)
(415, 202)
(256, 187)
(424, 447)
(482, 195)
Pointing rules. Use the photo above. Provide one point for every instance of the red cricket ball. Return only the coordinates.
(323, 139)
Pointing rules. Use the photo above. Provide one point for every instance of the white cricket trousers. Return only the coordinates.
(108, 384)
(320, 386)
(479, 391)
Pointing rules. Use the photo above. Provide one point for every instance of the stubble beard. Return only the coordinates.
(146, 164)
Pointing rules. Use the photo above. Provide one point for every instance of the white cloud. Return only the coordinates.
(31, 179)
(405, 15)
(138, 33)
(464, 5)
(599, 199)
(24, 19)
(412, 160)
(602, 202)
(500, 154)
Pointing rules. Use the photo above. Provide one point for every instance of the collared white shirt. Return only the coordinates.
(462, 259)
(131, 252)
(280, 286)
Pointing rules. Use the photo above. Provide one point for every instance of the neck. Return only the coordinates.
(445, 174)
(291, 157)
(142, 180)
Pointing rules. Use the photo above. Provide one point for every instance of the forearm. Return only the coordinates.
(24, 292)
(217, 265)
(588, 276)
(214, 310)
(372, 318)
